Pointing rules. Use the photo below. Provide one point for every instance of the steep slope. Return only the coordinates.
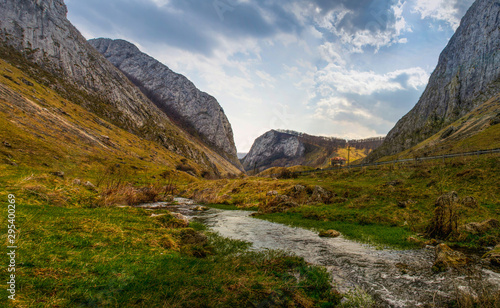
(477, 130)
(196, 111)
(40, 130)
(467, 75)
(284, 148)
(42, 33)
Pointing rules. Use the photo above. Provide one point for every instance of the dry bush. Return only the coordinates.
(447, 213)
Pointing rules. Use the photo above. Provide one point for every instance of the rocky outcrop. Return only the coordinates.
(273, 149)
(42, 33)
(196, 111)
(447, 258)
(467, 75)
(286, 148)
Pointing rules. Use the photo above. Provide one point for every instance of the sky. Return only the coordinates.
(343, 68)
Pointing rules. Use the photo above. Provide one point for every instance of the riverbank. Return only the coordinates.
(389, 206)
(72, 253)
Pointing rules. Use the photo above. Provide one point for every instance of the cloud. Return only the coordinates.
(449, 11)
(338, 79)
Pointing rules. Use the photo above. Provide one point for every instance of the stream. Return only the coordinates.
(393, 278)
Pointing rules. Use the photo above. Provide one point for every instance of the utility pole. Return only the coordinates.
(348, 155)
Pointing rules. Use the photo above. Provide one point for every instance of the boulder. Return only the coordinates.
(469, 202)
(493, 256)
(59, 174)
(77, 182)
(480, 227)
(182, 218)
(447, 258)
(329, 233)
(272, 193)
(321, 195)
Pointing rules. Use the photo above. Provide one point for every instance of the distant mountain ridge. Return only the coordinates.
(466, 76)
(286, 148)
(42, 33)
(196, 111)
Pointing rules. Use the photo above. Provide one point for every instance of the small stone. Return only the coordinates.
(77, 182)
(201, 208)
(88, 184)
(59, 174)
(6, 144)
(272, 193)
(329, 233)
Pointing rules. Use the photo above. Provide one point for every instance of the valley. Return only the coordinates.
(130, 190)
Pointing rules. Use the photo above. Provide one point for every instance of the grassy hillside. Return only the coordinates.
(385, 206)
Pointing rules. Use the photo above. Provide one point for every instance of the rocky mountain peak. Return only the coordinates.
(197, 112)
(467, 75)
(40, 31)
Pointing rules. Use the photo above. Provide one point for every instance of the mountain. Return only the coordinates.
(196, 111)
(467, 75)
(285, 148)
(68, 64)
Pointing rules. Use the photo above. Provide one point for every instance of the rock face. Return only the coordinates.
(42, 33)
(286, 148)
(196, 111)
(272, 148)
(466, 76)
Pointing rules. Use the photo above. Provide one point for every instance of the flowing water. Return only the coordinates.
(394, 278)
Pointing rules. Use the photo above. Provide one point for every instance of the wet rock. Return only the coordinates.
(493, 256)
(329, 233)
(59, 174)
(480, 227)
(469, 202)
(447, 258)
(431, 242)
(201, 208)
(321, 195)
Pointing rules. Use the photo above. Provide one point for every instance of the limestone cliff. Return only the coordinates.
(285, 148)
(42, 33)
(467, 75)
(196, 111)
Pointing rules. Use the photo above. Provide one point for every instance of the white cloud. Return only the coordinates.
(445, 10)
(337, 79)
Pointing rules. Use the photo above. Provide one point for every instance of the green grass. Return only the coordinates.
(379, 235)
(365, 206)
(73, 255)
